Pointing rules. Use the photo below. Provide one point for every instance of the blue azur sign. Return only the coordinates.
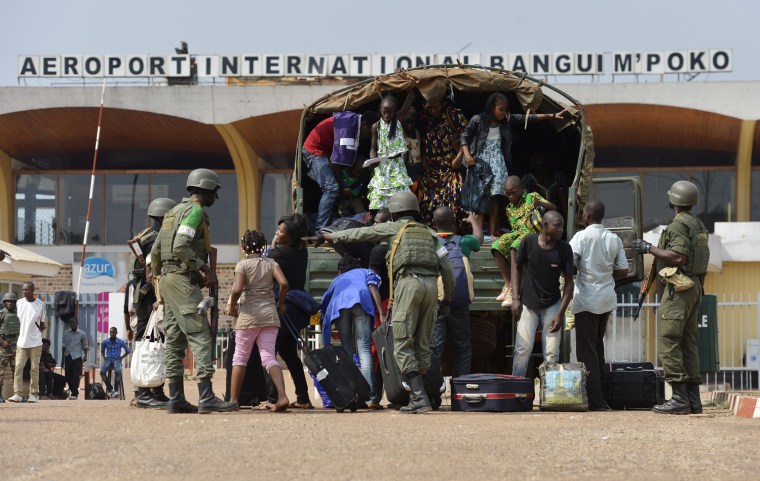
(97, 267)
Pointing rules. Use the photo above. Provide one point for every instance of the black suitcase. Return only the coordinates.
(396, 389)
(335, 371)
(633, 385)
(254, 388)
(492, 392)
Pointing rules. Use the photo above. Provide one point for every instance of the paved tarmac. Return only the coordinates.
(104, 440)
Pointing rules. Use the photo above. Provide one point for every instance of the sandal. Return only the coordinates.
(297, 405)
(280, 409)
(262, 407)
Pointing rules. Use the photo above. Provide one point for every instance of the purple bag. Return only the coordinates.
(346, 127)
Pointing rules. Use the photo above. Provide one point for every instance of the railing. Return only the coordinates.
(738, 321)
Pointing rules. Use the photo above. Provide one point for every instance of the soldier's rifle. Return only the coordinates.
(213, 292)
(648, 282)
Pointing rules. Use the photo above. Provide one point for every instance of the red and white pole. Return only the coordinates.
(92, 188)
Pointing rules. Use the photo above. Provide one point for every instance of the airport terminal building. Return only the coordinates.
(246, 127)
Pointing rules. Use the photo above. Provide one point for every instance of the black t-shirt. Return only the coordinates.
(293, 263)
(377, 263)
(541, 270)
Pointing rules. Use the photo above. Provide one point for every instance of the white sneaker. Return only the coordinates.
(507, 302)
(32, 399)
(73, 398)
(503, 293)
(15, 399)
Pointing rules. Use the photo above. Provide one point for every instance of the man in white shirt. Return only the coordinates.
(600, 259)
(31, 315)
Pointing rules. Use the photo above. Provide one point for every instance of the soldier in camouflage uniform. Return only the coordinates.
(683, 245)
(145, 301)
(418, 261)
(9, 330)
(180, 253)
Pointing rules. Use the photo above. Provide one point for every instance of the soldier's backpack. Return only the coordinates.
(413, 246)
(464, 289)
(145, 241)
(65, 305)
(697, 262)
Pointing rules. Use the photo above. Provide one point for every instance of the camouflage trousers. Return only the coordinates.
(7, 365)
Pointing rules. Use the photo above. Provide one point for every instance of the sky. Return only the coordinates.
(89, 27)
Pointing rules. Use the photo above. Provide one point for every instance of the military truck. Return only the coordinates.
(569, 142)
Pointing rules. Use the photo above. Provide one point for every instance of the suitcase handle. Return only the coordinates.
(473, 398)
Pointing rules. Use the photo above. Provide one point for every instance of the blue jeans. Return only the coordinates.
(457, 327)
(355, 322)
(526, 334)
(107, 363)
(320, 171)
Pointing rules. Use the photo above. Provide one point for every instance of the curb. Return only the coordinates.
(743, 405)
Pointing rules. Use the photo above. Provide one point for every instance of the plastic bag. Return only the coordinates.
(475, 188)
(148, 367)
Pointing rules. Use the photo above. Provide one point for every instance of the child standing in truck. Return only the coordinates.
(388, 143)
(488, 138)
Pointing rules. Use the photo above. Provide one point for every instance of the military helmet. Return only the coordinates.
(683, 194)
(403, 201)
(10, 296)
(204, 179)
(159, 207)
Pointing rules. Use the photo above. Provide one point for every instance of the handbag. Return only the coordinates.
(475, 188)
(148, 366)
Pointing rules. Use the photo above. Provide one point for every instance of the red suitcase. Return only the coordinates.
(492, 392)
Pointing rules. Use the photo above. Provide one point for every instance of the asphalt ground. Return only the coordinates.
(103, 440)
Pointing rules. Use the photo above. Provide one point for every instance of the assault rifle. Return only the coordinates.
(213, 293)
(648, 282)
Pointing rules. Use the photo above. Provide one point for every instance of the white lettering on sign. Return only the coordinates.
(703, 322)
(367, 65)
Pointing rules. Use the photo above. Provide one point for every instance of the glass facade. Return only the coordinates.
(51, 209)
(276, 188)
(754, 213)
(35, 209)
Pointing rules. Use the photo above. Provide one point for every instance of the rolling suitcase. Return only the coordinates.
(335, 371)
(254, 388)
(633, 385)
(492, 392)
(396, 389)
(563, 387)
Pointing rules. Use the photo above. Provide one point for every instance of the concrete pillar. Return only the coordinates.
(6, 198)
(744, 170)
(246, 162)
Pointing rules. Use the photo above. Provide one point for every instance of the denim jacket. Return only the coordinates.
(476, 133)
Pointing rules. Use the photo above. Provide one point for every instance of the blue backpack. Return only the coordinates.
(462, 295)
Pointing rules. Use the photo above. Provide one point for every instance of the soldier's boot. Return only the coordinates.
(177, 403)
(418, 399)
(145, 400)
(158, 394)
(695, 400)
(209, 403)
(678, 402)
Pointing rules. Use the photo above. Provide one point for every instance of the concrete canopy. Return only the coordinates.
(64, 138)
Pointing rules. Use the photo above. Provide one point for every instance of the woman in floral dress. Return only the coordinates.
(441, 127)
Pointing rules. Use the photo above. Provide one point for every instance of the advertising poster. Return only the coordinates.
(102, 271)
